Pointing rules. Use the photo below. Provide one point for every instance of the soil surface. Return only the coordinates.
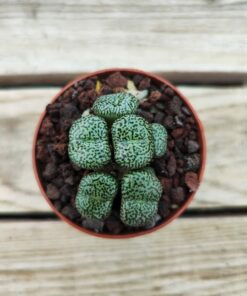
(177, 170)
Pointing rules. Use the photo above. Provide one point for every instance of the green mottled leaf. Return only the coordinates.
(95, 195)
(88, 142)
(114, 106)
(160, 139)
(133, 142)
(141, 191)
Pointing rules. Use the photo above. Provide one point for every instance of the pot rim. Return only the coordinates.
(202, 141)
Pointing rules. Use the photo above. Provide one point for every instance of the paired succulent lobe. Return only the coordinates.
(159, 138)
(141, 191)
(114, 106)
(88, 142)
(133, 142)
(95, 195)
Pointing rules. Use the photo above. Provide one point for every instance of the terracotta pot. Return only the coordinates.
(159, 80)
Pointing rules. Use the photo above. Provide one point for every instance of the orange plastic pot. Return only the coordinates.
(159, 81)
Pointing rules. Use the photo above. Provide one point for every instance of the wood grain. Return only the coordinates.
(187, 38)
(223, 111)
(190, 257)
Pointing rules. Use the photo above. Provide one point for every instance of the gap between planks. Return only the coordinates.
(189, 213)
(192, 78)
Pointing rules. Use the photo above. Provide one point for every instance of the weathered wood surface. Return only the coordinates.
(190, 257)
(47, 42)
(223, 111)
(187, 40)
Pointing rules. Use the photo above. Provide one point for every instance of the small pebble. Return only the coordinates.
(93, 224)
(153, 110)
(192, 162)
(76, 84)
(47, 127)
(164, 210)
(145, 105)
(177, 133)
(116, 80)
(114, 225)
(190, 120)
(155, 96)
(58, 205)
(65, 199)
(105, 90)
(153, 223)
(54, 111)
(89, 84)
(175, 105)
(169, 92)
(41, 153)
(69, 111)
(174, 207)
(137, 79)
(50, 171)
(193, 135)
(166, 199)
(76, 167)
(191, 180)
(159, 117)
(118, 89)
(160, 106)
(144, 84)
(67, 95)
(193, 146)
(58, 181)
(70, 212)
(178, 152)
(74, 94)
(61, 149)
(177, 195)
(176, 180)
(180, 162)
(160, 166)
(178, 121)
(66, 190)
(70, 180)
(169, 122)
(186, 111)
(171, 144)
(52, 191)
(147, 115)
(171, 166)
(166, 184)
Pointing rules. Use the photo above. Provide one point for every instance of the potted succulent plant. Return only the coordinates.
(119, 153)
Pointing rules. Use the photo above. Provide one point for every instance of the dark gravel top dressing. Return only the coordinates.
(177, 170)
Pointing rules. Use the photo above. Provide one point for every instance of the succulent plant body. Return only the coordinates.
(88, 142)
(135, 143)
(95, 195)
(114, 106)
(141, 191)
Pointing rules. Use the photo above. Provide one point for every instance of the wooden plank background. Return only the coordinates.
(201, 45)
(186, 40)
(191, 257)
(226, 134)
